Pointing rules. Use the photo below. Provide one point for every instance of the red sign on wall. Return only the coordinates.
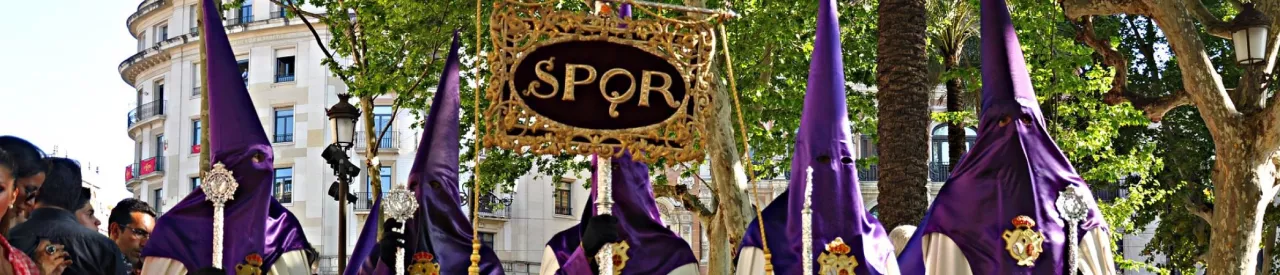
(148, 166)
(195, 149)
(128, 173)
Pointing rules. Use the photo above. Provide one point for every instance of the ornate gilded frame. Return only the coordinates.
(518, 27)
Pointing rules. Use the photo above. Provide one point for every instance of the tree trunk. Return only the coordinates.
(903, 102)
(371, 142)
(957, 141)
(728, 177)
(1240, 173)
(205, 166)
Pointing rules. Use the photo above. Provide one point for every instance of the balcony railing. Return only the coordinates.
(238, 20)
(389, 141)
(284, 78)
(328, 264)
(144, 168)
(871, 173)
(492, 207)
(364, 201)
(277, 12)
(146, 111)
(938, 172)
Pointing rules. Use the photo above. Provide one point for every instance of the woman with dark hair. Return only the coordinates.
(13, 260)
(29, 173)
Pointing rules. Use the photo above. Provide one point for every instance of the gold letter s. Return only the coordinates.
(539, 69)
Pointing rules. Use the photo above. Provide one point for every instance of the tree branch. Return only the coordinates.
(1081, 8)
(1154, 107)
(395, 112)
(1212, 25)
(1199, 208)
(329, 54)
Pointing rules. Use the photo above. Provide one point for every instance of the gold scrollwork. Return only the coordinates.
(518, 27)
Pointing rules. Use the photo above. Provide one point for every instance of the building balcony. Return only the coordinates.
(150, 57)
(389, 143)
(493, 207)
(938, 172)
(364, 202)
(144, 9)
(145, 169)
(147, 112)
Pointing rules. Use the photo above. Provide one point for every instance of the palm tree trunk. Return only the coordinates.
(903, 99)
(956, 139)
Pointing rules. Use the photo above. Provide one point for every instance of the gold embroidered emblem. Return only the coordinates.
(1024, 243)
(620, 256)
(424, 264)
(836, 260)
(252, 265)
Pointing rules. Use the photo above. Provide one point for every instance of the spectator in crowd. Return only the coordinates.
(29, 174)
(54, 220)
(55, 259)
(130, 226)
(86, 214)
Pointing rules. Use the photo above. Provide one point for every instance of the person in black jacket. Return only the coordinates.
(53, 220)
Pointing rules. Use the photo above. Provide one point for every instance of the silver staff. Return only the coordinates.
(399, 205)
(1072, 207)
(806, 222)
(604, 206)
(219, 186)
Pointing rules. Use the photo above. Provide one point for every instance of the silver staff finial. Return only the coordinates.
(1072, 207)
(399, 205)
(219, 187)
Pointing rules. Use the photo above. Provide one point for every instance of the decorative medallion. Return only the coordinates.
(837, 260)
(567, 82)
(252, 265)
(219, 185)
(620, 256)
(1024, 243)
(424, 263)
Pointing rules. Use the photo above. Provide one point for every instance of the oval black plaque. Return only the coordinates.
(643, 89)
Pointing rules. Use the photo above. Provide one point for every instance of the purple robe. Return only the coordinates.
(824, 143)
(440, 227)
(366, 258)
(654, 249)
(261, 224)
(1012, 170)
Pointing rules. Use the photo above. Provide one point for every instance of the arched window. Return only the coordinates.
(940, 146)
(940, 156)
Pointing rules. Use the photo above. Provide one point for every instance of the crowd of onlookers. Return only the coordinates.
(47, 225)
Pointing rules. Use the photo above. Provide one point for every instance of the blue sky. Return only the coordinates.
(60, 86)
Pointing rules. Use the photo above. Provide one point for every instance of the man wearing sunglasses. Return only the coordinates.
(130, 227)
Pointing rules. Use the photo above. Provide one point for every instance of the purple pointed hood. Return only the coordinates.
(440, 227)
(654, 248)
(1014, 169)
(824, 143)
(237, 140)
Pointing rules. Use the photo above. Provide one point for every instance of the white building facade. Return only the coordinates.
(291, 89)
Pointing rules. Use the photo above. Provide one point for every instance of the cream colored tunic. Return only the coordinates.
(290, 263)
(550, 265)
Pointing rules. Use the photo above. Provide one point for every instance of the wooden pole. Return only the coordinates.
(204, 95)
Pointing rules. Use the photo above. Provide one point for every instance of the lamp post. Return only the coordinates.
(1249, 33)
(342, 120)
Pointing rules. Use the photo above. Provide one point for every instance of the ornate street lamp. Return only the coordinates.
(1249, 32)
(342, 118)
